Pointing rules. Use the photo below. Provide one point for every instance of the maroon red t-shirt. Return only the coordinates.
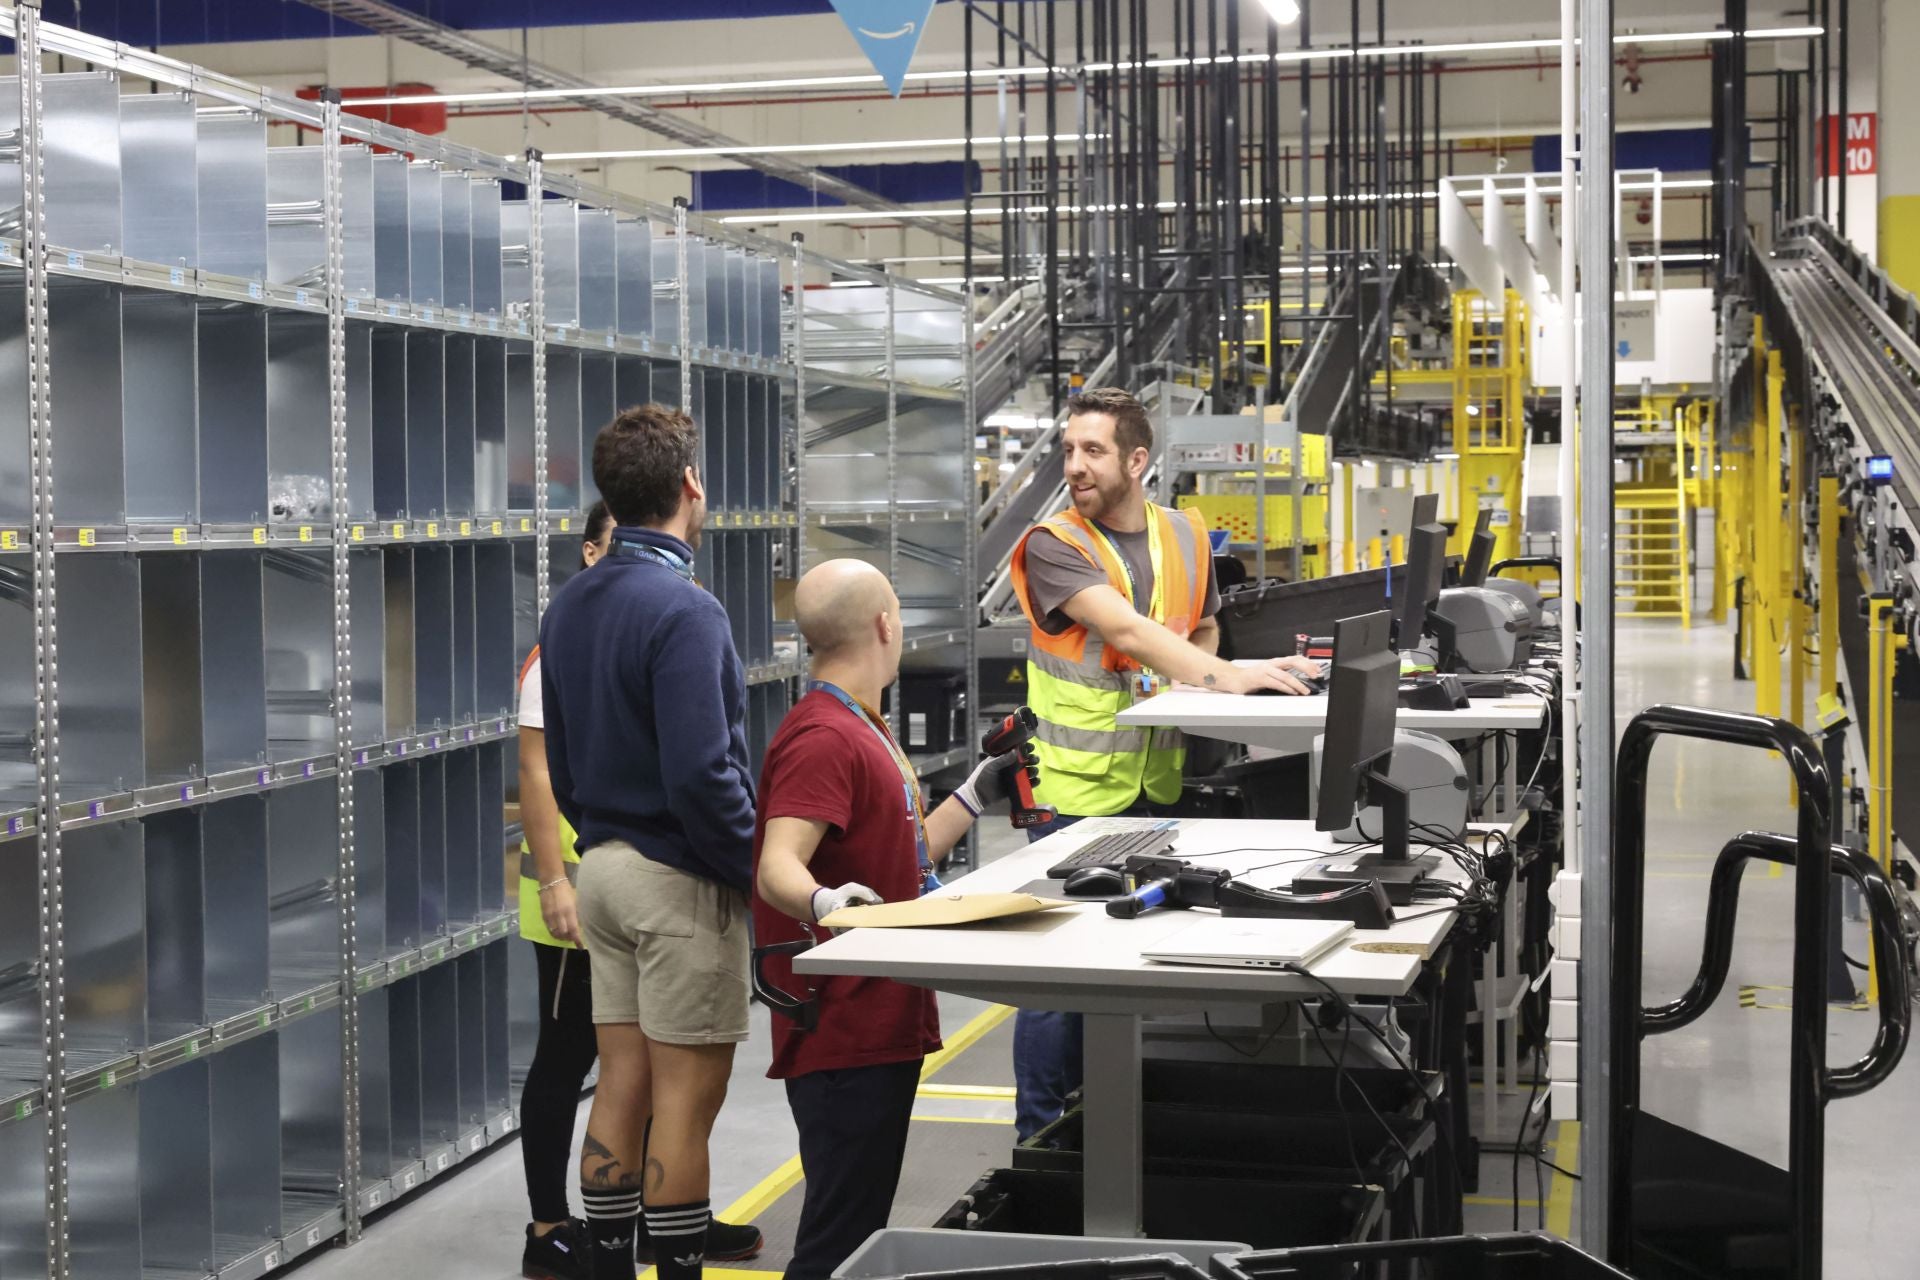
(827, 766)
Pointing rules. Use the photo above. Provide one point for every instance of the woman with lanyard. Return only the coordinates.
(555, 1246)
(842, 822)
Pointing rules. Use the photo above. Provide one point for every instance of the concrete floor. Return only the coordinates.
(1726, 1075)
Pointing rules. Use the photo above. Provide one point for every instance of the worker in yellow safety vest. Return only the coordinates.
(1121, 598)
(556, 1244)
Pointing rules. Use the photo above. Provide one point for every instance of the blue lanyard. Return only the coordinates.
(659, 555)
(909, 781)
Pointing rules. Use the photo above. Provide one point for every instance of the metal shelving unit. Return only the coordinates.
(887, 446)
(303, 441)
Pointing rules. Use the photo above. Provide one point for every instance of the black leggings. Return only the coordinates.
(551, 1097)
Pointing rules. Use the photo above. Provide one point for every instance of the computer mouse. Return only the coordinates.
(1094, 882)
(1315, 684)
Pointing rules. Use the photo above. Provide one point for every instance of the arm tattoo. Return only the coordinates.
(1207, 680)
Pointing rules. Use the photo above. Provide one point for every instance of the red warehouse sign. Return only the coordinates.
(1863, 144)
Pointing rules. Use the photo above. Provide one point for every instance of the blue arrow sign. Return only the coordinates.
(1625, 348)
(889, 31)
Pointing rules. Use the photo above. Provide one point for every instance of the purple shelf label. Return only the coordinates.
(359, 757)
(469, 735)
(186, 793)
(433, 743)
(96, 808)
(399, 748)
(264, 777)
(13, 826)
(306, 770)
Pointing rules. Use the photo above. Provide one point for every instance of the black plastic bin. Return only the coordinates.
(1266, 1214)
(1276, 1090)
(1497, 1257)
(1207, 1141)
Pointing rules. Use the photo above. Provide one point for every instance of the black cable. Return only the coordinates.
(1259, 1048)
(1565, 1173)
(1852, 962)
(1339, 1092)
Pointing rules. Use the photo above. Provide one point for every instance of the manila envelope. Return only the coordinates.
(956, 908)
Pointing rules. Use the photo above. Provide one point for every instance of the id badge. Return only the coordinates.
(1146, 683)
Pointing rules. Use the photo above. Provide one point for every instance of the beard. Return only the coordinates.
(1108, 494)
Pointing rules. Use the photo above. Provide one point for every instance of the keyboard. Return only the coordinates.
(1112, 851)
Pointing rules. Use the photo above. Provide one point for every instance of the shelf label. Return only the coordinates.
(179, 537)
(306, 770)
(259, 537)
(473, 1143)
(493, 323)
(108, 1079)
(353, 304)
(373, 1199)
(609, 341)
(13, 825)
(253, 290)
(313, 1237)
(393, 309)
(406, 1183)
(300, 297)
(95, 808)
(77, 261)
(265, 1020)
(271, 1259)
(433, 529)
(399, 531)
(264, 777)
(10, 540)
(526, 526)
(359, 533)
(466, 528)
(426, 313)
(21, 1110)
(506, 1123)
(306, 533)
(193, 1047)
(440, 1162)
(176, 277)
(186, 793)
(86, 537)
(360, 758)
(566, 524)
(496, 528)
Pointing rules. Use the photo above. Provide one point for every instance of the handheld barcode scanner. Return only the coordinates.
(1015, 734)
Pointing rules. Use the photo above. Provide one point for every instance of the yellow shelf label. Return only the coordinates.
(179, 537)
(9, 540)
(259, 536)
(526, 525)
(433, 528)
(399, 531)
(359, 533)
(306, 533)
(86, 537)
(566, 524)
(496, 528)
(466, 527)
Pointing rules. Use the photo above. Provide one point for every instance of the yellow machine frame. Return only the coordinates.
(1490, 377)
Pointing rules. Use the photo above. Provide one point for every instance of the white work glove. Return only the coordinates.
(850, 894)
(991, 780)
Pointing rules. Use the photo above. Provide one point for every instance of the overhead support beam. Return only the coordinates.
(403, 24)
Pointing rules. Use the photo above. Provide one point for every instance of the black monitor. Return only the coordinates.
(1426, 510)
(1479, 551)
(1426, 572)
(1362, 706)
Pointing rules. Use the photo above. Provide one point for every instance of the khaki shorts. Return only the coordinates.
(669, 949)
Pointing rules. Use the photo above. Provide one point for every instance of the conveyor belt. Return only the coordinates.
(1874, 367)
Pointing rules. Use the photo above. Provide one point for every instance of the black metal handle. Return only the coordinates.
(1883, 915)
(1895, 1028)
(803, 1010)
(1525, 562)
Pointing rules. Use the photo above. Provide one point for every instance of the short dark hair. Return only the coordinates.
(640, 460)
(1132, 429)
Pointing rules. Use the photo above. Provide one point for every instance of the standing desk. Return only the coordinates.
(1289, 724)
(1081, 960)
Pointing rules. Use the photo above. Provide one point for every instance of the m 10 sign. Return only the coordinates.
(1862, 149)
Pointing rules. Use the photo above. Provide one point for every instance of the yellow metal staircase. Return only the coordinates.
(1652, 515)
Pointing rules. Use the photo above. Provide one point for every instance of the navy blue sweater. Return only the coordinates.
(645, 703)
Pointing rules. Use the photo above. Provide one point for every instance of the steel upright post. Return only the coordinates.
(1598, 1053)
(345, 890)
(53, 973)
(685, 336)
(798, 354)
(537, 308)
(1569, 436)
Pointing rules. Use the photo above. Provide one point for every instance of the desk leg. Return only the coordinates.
(1112, 1183)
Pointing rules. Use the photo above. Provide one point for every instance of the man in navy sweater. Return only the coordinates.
(645, 702)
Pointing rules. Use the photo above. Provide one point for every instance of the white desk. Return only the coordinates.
(1290, 724)
(1082, 960)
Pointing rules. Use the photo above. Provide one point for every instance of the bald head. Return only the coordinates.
(838, 603)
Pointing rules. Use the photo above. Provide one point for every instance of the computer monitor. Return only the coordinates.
(1362, 705)
(1479, 551)
(1426, 573)
(1426, 510)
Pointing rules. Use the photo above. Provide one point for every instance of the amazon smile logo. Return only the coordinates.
(888, 31)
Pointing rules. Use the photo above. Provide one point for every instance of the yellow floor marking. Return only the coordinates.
(769, 1189)
(720, 1273)
(965, 1120)
(999, 1092)
(1566, 1154)
(965, 1038)
(1499, 1202)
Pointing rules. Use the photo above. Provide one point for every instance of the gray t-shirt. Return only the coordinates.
(1056, 573)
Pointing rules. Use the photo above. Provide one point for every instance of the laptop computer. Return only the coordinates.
(1249, 943)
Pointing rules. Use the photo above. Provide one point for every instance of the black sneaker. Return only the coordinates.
(726, 1242)
(561, 1254)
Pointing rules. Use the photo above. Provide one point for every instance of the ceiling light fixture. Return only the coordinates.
(1282, 11)
(705, 87)
(798, 148)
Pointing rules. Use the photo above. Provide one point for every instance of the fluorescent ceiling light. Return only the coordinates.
(705, 87)
(796, 148)
(1282, 11)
